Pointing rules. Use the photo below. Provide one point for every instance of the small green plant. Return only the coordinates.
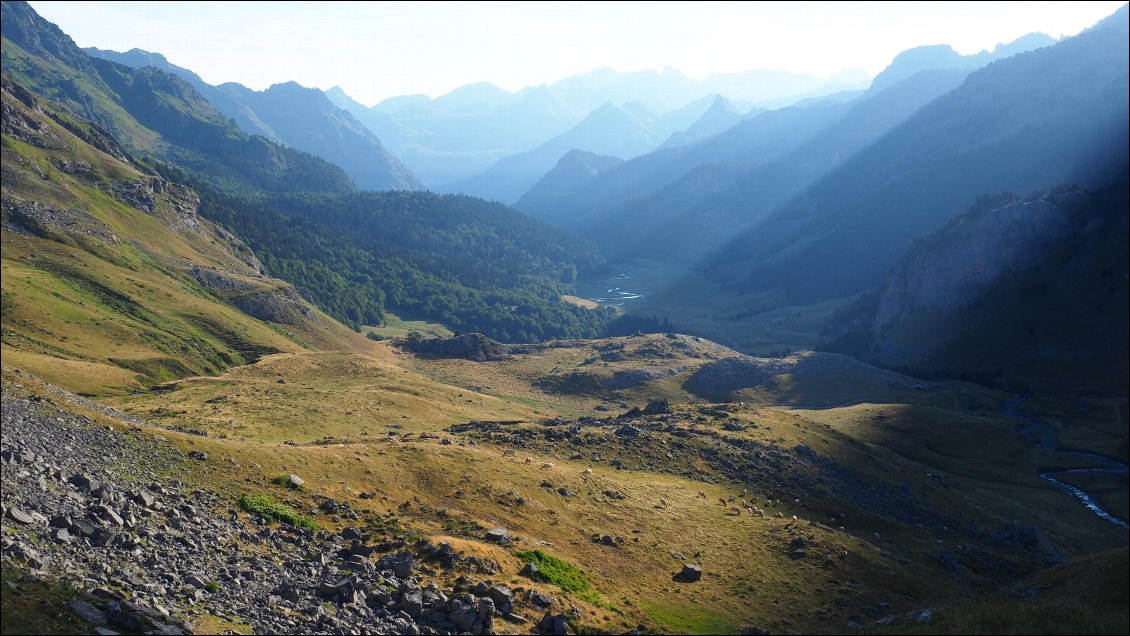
(272, 510)
(212, 586)
(564, 575)
(372, 335)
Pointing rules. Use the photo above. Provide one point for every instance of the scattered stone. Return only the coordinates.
(402, 563)
(15, 514)
(198, 455)
(294, 481)
(690, 573)
(555, 625)
(498, 535)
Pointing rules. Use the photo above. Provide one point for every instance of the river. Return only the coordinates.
(1044, 435)
(610, 291)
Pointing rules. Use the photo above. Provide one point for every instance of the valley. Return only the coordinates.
(813, 356)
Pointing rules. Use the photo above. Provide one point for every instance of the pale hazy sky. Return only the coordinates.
(380, 49)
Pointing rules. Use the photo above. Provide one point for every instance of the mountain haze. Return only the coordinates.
(1052, 115)
(302, 118)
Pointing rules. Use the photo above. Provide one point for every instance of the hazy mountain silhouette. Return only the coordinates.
(299, 117)
(608, 130)
(1053, 115)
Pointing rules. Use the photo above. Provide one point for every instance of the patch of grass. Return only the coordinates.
(212, 586)
(270, 509)
(686, 619)
(37, 607)
(564, 575)
(461, 527)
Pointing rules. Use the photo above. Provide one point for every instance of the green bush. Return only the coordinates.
(564, 575)
(270, 509)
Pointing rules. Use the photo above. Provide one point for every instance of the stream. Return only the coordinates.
(611, 291)
(1043, 435)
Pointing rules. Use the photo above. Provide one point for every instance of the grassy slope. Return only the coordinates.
(105, 304)
(749, 578)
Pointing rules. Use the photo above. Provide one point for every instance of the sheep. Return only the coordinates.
(732, 498)
(546, 466)
(759, 512)
(744, 492)
(701, 495)
(749, 509)
(795, 519)
(768, 503)
(722, 501)
(779, 515)
(509, 452)
(796, 502)
(734, 510)
(744, 504)
(662, 503)
(529, 460)
(587, 471)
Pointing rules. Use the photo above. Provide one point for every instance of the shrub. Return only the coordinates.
(274, 511)
(564, 575)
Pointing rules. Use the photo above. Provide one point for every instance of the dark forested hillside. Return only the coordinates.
(473, 265)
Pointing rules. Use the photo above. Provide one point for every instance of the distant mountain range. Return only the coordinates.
(1057, 114)
(302, 118)
(153, 113)
(460, 135)
(681, 201)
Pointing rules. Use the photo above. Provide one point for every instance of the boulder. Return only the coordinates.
(498, 535)
(402, 563)
(19, 516)
(554, 624)
(690, 573)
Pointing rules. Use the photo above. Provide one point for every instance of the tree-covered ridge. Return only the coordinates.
(154, 113)
(469, 263)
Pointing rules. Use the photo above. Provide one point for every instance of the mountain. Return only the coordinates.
(721, 115)
(118, 264)
(243, 116)
(679, 202)
(153, 113)
(608, 130)
(1023, 292)
(464, 132)
(302, 118)
(1052, 115)
(707, 206)
(461, 134)
(942, 56)
(597, 206)
(572, 172)
(464, 261)
(669, 89)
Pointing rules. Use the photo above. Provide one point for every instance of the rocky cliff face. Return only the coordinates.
(951, 268)
(1022, 293)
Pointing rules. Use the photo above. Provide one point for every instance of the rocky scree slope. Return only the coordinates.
(99, 508)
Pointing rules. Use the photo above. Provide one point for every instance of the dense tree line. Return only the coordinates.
(468, 263)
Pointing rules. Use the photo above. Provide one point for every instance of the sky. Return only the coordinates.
(375, 50)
